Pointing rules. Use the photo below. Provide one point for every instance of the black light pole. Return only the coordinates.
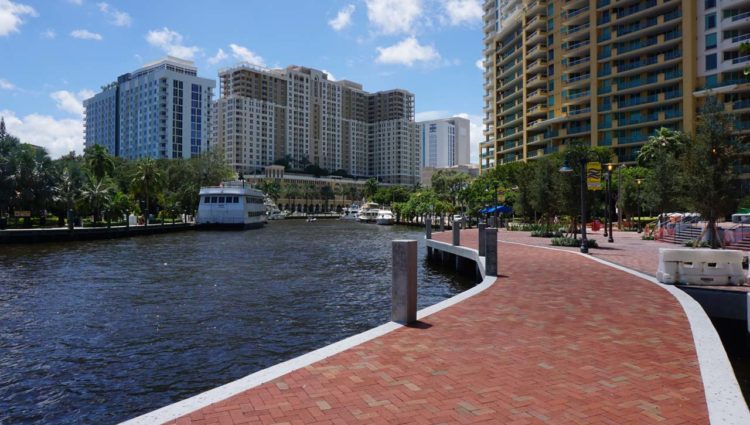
(606, 202)
(638, 200)
(609, 201)
(567, 169)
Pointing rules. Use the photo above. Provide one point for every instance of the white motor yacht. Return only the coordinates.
(384, 217)
(350, 213)
(368, 213)
(233, 204)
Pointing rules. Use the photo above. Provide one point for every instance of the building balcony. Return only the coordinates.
(573, 17)
(575, 33)
(575, 48)
(538, 80)
(536, 66)
(576, 64)
(736, 22)
(538, 110)
(538, 51)
(538, 94)
(537, 36)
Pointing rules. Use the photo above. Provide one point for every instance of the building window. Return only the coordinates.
(710, 21)
(709, 4)
(711, 61)
(711, 41)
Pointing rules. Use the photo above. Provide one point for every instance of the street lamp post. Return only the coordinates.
(638, 201)
(567, 169)
(606, 202)
(619, 193)
(609, 201)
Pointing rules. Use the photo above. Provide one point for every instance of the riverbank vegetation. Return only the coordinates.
(37, 190)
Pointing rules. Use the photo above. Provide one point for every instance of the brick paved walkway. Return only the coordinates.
(628, 250)
(558, 339)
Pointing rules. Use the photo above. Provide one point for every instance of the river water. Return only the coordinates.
(99, 332)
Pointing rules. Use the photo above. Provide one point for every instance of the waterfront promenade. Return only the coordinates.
(558, 338)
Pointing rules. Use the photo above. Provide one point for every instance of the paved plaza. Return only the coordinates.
(558, 339)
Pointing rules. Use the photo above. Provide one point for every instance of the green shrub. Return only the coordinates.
(591, 243)
(703, 244)
(647, 237)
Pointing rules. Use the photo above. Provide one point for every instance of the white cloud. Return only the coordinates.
(393, 16)
(48, 34)
(6, 85)
(86, 35)
(330, 76)
(343, 19)
(245, 55)
(407, 52)
(116, 17)
(480, 64)
(57, 136)
(11, 16)
(475, 134)
(71, 102)
(463, 11)
(76, 2)
(218, 57)
(171, 42)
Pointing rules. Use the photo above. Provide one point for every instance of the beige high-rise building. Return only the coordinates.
(265, 115)
(605, 71)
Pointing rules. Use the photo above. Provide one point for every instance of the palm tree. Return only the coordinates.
(97, 194)
(661, 144)
(326, 194)
(146, 181)
(67, 191)
(371, 187)
(311, 193)
(99, 161)
(342, 191)
(354, 192)
(291, 191)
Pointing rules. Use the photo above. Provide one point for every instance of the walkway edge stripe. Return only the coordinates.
(197, 402)
(726, 405)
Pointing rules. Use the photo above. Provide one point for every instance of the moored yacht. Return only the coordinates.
(272, 211)
(350, 213)
(384, 217)
(232, 205)
(368, 213)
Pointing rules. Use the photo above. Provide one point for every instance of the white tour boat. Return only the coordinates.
(350, 213)
(384, 217)
(369, 212)
(234, 204)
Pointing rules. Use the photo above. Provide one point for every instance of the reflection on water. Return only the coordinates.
(98, 332)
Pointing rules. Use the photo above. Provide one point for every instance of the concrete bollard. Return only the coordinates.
(457, 233)
(404, 282)
(490, 251)
(480, 244)
(428, 228)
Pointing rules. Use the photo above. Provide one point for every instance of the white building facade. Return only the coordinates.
(445, 142)
(162, 110)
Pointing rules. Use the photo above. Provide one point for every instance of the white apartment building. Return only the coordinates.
(445, 142)
(297, 113)
(161, 110)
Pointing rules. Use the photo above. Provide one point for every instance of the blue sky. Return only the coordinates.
(55, 53)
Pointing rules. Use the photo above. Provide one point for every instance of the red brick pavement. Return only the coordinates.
(628, 249)
(558, 339)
